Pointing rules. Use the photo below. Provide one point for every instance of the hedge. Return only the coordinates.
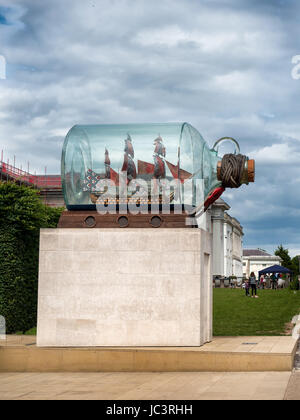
(294, 285)
(22, 214)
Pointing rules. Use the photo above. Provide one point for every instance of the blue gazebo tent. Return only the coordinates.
(275, 269)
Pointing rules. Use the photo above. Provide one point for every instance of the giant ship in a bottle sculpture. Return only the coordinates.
(110, 282)
(162, 166)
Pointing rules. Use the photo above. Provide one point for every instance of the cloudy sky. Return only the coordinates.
(225, 66)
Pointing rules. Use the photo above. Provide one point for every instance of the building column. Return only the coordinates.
(218, 246)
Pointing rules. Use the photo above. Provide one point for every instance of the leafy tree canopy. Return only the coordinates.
(287, 261)
(21, 207)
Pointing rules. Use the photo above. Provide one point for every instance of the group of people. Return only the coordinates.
(252, 283)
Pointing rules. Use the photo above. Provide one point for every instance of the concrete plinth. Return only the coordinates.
(223, 354)
(130, 287)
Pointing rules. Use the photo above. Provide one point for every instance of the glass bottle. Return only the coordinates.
(153, 153)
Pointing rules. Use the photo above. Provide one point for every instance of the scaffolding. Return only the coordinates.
(11, 173)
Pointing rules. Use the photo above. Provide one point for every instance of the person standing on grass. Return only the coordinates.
(252, 281)
(264, 282)
(261, 282)
(273, 281)
(247, 287)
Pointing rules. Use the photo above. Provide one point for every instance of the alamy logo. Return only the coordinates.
(296, 69)
(2, 328)
(2, 67)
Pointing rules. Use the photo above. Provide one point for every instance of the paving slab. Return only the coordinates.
(293, 388)
(147, 386)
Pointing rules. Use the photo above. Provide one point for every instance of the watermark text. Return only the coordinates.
(2, 328)
(296, 69)
(2, 67)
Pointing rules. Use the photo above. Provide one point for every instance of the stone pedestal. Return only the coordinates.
(127, 287)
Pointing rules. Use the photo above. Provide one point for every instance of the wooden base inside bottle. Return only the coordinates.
(92, 219)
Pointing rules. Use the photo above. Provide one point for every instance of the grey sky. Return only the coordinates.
(224, 66)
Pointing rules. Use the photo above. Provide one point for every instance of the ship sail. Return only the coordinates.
(145, 168)
(180, 174)
(114, 176)
(159, 155)
(107, 164)
(158, 169)
(128, 164)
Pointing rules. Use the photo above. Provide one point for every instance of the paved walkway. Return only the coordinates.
(293, 389)
(153, 386)
(242, 344)
(142, 386)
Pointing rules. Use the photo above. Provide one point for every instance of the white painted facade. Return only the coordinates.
(227, 242)
(258, 260)
(233, 247)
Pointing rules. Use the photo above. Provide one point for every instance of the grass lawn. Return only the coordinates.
(30, 332)
(235, 314)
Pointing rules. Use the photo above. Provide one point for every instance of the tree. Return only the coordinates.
(295, 264)
(284, 255)
(287, 261)
(22, 214)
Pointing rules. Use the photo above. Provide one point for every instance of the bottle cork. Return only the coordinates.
(248, 177)
(251, 170)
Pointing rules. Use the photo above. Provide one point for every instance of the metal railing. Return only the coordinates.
(9, 172)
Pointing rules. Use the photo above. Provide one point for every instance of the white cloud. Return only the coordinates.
(172, 35)
(294, 251)
(169, 36)
(237, 82)
(280, 153)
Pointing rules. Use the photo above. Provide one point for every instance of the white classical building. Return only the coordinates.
(255, 260)
(227, 242)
